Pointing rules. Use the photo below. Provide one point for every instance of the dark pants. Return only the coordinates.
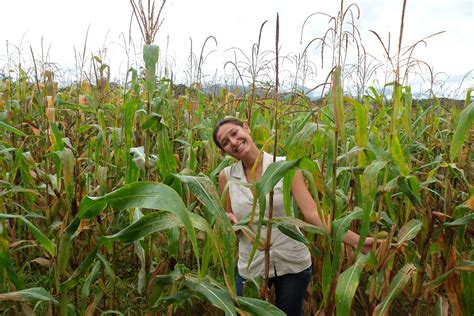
(290, 290)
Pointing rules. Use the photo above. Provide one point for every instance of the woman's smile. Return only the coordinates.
(237, 148)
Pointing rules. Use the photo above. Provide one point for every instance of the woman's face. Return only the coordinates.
(235, 140)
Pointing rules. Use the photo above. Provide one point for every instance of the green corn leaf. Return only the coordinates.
(227, 161)
(295, 222)
(205, 192)
(65, 163)
(467, 294)
(109, 272)
(369, 185)
(248, 232)
(129, 109)
(407, 111)
(64, 251)
(377, 97)
(85, 128)
(433, 284)
(299, 124)
(347, 285)
(254, 306)
(369, 181)
(408, 231)
(206, 255)
(223, 235)
(396, 286)
(362, 118)
(181, 296)
(169, 279)
(32, 294)
(218, 297)
(81, 270)
(90, 279)
(150, 56)
(468, 96)
(312, 168)
(99, 141)
(274, 173)
(150, 195)
(301, 141)
(58, 138)
(396, 107)
(155, 222)
(354, 151)
(340, 228)
(139, 250)
(12, 129)
(146, 225)
(260, 135)
(292, 232)
(287, 182)
(327, 278)
(466, 119)
(398, 156)
(137, 194)
(61, 104)
(24, 166)
(41, 238)
(460, 221)
(6, 265)
(338, 103)
(166, 162)
(411, 188)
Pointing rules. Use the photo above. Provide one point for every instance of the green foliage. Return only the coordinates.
(32, 294)
(466, 119)
(347, 286)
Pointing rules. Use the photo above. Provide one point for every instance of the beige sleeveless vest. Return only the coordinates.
(286, 254)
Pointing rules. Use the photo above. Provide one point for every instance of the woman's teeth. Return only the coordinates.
(238, 148)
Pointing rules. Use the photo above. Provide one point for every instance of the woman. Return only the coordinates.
(290, 260)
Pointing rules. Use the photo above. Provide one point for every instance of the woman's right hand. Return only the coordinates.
(232, 218)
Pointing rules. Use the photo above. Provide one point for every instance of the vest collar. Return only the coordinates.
(239, 173)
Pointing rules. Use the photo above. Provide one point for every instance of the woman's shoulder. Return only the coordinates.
(233, 170)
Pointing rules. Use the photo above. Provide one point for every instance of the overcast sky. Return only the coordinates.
(63, 25)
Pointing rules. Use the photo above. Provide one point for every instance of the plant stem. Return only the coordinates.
(275, 149)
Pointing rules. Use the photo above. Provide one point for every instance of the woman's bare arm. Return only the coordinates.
(306, 203)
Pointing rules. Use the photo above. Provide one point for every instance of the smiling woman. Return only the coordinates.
(290, 260)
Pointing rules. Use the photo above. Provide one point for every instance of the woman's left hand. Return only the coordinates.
(368, 244)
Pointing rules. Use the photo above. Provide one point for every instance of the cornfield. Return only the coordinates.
(109, 200)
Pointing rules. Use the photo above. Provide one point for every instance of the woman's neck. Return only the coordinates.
(249, 159)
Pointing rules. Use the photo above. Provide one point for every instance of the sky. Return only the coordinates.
(58, 28)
